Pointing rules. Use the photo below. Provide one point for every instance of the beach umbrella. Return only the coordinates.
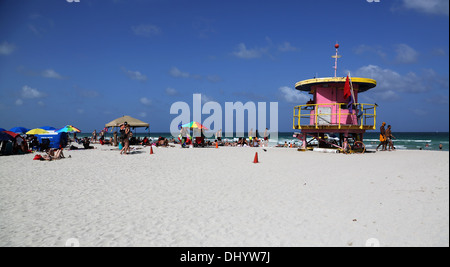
(194, 125)
(2, 130)
(37, 131)
(5, 137)
(130, 121)
(48, 128)
(13, 135)
(19, 130)
(68, 129)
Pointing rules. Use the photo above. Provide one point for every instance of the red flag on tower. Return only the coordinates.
(347, 92)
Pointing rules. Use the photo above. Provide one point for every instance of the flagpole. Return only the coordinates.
(351, 87)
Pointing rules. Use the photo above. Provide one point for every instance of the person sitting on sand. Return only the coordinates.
(145, 141)
(34, 143)
(86, 143)
(162, 141)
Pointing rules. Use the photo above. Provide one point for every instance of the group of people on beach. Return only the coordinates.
(253, 139)
(386, 137)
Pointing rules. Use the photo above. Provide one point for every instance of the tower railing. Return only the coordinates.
(335, 115)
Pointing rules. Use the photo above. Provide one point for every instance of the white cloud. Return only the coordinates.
(146, 30)
(38, 31)
(205, 98)
(213, 78)
(19, 102)
(419, 112)
(171, 91)
(39, 24)
(243, 52)
(143, 114)
(406, 54)
(291, 95)
(362, 49)
(28, 92)
(439, 52)
(145, 101)
(286, 47)
(389, 80)
(52, 74)
(175, 72)
(432, 7)
(438, 99)
(135, 75)
(88, 93)
(267, 50)
(7, 48)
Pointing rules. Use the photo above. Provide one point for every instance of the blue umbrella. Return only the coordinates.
(2, 130)
(21, 130)
(48, 128)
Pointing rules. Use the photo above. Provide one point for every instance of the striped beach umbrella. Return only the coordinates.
(194, 125)
(68, 129)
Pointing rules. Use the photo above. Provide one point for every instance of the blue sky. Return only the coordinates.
(90, 62)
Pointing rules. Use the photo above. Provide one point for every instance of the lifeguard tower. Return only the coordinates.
(329, 113)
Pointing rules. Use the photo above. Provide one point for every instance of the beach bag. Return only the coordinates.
(382, 138)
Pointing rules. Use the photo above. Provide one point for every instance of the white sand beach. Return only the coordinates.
(219, 197)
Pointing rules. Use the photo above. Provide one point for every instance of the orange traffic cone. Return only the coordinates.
(151, 150)
(256, 158)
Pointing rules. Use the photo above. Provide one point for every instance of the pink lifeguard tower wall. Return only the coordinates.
(330, 94)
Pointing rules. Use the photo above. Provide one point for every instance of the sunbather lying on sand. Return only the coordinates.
(52, 154)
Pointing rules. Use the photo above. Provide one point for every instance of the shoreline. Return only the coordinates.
(219, 197)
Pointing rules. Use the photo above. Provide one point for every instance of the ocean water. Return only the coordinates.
(404, 140)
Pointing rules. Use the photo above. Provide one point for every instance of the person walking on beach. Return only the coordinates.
(382, 138)
(126, 140)
(219, 135)
(94, 136)
(266, 138)
(184, 134)
(389, 138)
